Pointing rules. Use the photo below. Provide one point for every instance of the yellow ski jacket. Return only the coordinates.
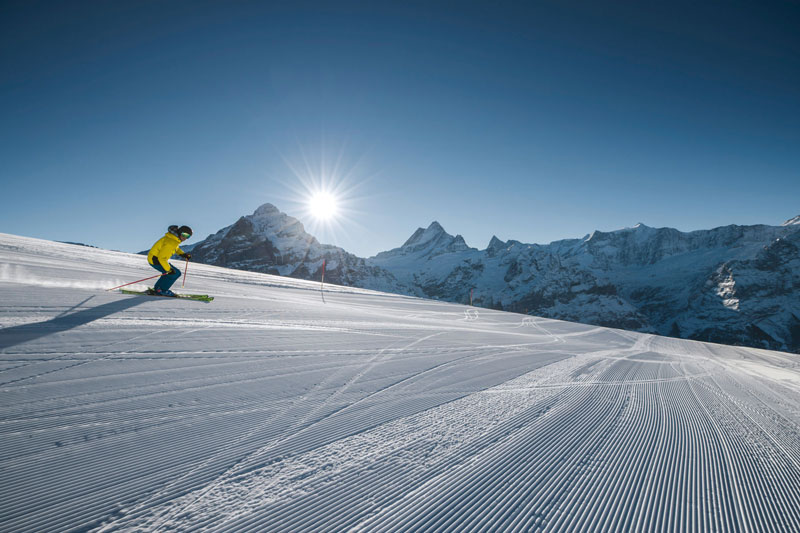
(164, 249)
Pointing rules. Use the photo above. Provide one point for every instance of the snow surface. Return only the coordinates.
(282, 407)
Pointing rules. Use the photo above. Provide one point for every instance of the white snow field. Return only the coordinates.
(279, 407)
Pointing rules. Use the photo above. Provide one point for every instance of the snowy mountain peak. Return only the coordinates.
(425, 244)
(434, 231)
(266, 210)
(459, 243)
(269, 221)
(495, 244)
(792, 221)
(593, 236)
(638, 232)
(435, 226)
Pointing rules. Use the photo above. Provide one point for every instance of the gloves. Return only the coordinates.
(187, 256)
(171, 272)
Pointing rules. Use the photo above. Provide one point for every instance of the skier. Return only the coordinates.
(160, 254)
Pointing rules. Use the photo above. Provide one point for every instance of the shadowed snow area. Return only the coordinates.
(279, 407)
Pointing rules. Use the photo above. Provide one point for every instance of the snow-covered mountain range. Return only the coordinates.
(733, 284)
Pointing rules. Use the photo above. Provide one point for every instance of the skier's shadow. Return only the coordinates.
(19, 334)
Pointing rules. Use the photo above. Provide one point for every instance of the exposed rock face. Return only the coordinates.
(733, 284)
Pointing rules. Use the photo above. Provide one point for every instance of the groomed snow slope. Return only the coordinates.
(279, 407)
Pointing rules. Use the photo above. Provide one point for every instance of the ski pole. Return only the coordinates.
(185, 271)
(137, 281)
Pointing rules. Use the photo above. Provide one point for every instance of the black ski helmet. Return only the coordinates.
(185, 229)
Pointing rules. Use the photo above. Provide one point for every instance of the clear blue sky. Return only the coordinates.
(532, 123)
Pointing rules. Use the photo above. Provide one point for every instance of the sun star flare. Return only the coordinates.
(323, 205)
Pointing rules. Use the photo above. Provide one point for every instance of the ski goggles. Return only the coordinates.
(186, 235)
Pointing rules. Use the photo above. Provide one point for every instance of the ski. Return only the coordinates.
(197, 297)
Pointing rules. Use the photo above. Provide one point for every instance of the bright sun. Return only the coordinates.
(323, 205)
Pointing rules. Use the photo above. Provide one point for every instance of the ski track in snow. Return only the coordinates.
(272, 409)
